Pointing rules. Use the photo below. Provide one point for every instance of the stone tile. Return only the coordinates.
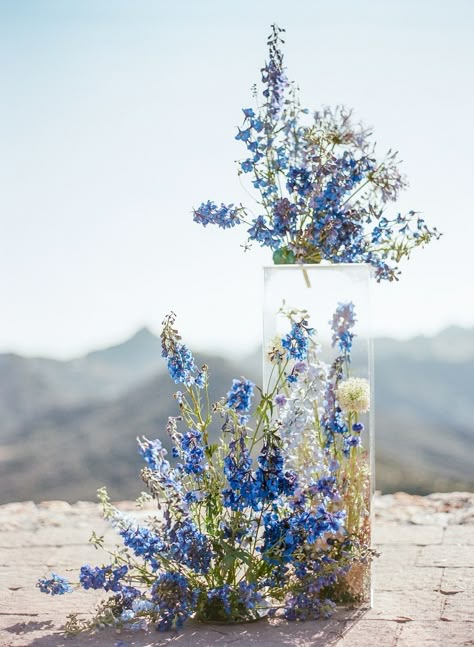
(458, 579)
(50, 556)
(448, 634)
(55, 536)
(446, 555)
(31, 598)
(407, 534)
(414, 605)
(18, 576)
(394, 554)
(5, 600)
(58, 536)
(368, 633)
(459, 535)
(459, 606)
(397, 577)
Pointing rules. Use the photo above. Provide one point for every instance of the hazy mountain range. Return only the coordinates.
(68, 427)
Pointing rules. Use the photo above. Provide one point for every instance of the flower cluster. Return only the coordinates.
(264, 518)
(223, 216)
(107, 577)
(341, 324)
(296, 342)
(322, 192)
(173, 600)
(181, 364)
(240, 397)
(142, 541)
(55, 585)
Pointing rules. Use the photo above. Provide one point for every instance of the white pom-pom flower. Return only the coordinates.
(354, 395)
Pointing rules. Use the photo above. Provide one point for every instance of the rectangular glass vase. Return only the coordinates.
(330, 445)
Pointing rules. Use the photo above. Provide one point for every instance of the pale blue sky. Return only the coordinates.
(118, 117)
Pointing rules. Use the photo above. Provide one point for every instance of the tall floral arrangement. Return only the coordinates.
(272, 517)
(321, 191)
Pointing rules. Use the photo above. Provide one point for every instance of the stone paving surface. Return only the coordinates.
(423, 581)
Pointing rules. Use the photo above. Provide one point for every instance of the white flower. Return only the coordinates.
(354, 394)
(275, 350)
(294, 417)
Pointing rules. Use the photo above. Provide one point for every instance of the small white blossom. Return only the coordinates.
(354, 394)
(294, 417)
(275, 350)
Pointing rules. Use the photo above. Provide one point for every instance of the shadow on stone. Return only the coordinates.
(324, 633)
(28, 627)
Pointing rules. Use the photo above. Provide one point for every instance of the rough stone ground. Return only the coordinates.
(424, 582)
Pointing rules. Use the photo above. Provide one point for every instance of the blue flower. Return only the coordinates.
(144, 543)
(140, 605)
(224, 216)
(280, 542)
(228, 599)
(284, 217)
(349, 443)
(154, 454)
(343, 320)
(247, 165)
(181, 364)
(262, 233)
(257, 124)
(248, 595)
(280, 400)
(274, 77)
(296, 342)
(333, 420)
(244, 135)
(222, 594)
(271, 480)
(55, 585)
(188, 546)
(193, 496)
(237, 469)
(201, 378)
(193, 451)
(240, 397)
(174, 600)
(105, 577)
(326, 486)
(298, 179)
(281, 162)
(306, 605)
(128, 596)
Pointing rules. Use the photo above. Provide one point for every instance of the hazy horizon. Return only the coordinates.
(211, 349)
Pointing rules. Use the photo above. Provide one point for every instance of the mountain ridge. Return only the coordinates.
(68, 426)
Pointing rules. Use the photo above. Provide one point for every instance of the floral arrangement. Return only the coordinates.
(322, 191)
(271, 518)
